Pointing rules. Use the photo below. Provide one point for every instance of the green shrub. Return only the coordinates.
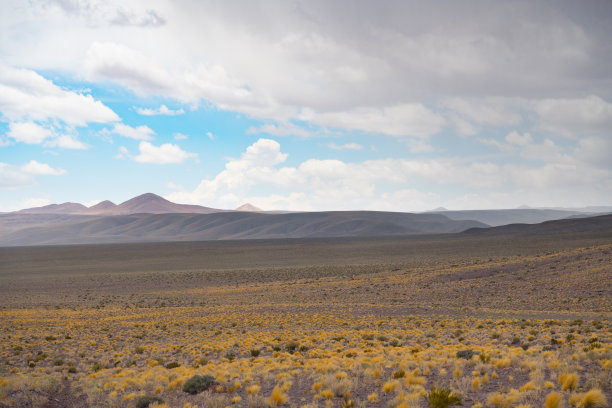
(58, 362)
(198, 383)
(291, 346)
(172, 365)
(146, 400)
(255, 352)
(442, 398)
(467, 354)
(97, 367)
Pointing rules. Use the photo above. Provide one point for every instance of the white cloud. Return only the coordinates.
(28, 132)
(516, 138)
(575, 117)
(210, 135)
(32, 133)
(25, 95)
(123, 153)
(165, 154)
(137, 133)
(336, 185)
(66, 142)
(162, 110)
(280, 129)
(180, 136)
(398, 120)
(12, 176)
(35, 168)
(346, 146)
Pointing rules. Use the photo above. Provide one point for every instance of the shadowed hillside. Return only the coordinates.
(234, 225)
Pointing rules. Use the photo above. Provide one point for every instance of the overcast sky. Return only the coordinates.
(314, 105)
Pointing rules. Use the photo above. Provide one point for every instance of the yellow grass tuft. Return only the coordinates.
(278, 397)
(553, 400)
(568, 381)
(593, 398)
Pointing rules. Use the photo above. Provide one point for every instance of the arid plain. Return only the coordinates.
(497, 321)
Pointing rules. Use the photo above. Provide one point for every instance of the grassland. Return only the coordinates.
(500, 322)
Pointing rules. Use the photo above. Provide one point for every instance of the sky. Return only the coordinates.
(307, 105)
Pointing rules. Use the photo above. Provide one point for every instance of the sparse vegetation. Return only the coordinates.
(436, 334)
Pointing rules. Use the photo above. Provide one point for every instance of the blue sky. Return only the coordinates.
(306, 105)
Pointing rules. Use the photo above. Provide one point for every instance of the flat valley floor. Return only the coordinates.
(501, 321)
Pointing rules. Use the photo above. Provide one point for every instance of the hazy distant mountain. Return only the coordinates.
(102, 207)
(249, 207)
(573, 225)
(234, 225)
(146, 203)
(65, 208)
(510, 216)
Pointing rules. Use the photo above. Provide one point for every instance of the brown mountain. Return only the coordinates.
(103, 207)
(65, 208)
(146, 203)
(249, 208)
(150, 203)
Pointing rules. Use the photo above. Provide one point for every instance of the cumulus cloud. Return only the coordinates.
(32, 133)
(162, 110)
(26, 95)
(165, 154)
(137, 133)
(333, 184)
(28, 132)
(12, 176)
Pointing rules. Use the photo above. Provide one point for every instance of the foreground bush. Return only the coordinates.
(442, 398)
(198, 383)
(146, 400)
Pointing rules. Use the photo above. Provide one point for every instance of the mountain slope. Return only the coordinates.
(511, 216)
(234, 225)
(570, 225)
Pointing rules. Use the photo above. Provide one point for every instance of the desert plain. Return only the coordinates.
(438, 320)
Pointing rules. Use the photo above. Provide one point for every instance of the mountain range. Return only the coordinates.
(146, 203)
(150, 218)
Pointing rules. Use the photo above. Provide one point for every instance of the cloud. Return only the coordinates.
(27, 96)
(12, 176)
(516, 138)
(28, 132)
(137, 133)
(336, 185)
(32, 133)
(280, 129)
(162, 110)
(180, 136)
(346, 146)
(165, 154)
(66, 142)
(575, 117)
(109, 12)
(399, 120)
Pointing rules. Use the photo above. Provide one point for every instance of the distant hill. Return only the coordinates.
(146, 203)
(570, 225)
(249, 207)
(233, 225)
(511, 216)
(65, 208)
